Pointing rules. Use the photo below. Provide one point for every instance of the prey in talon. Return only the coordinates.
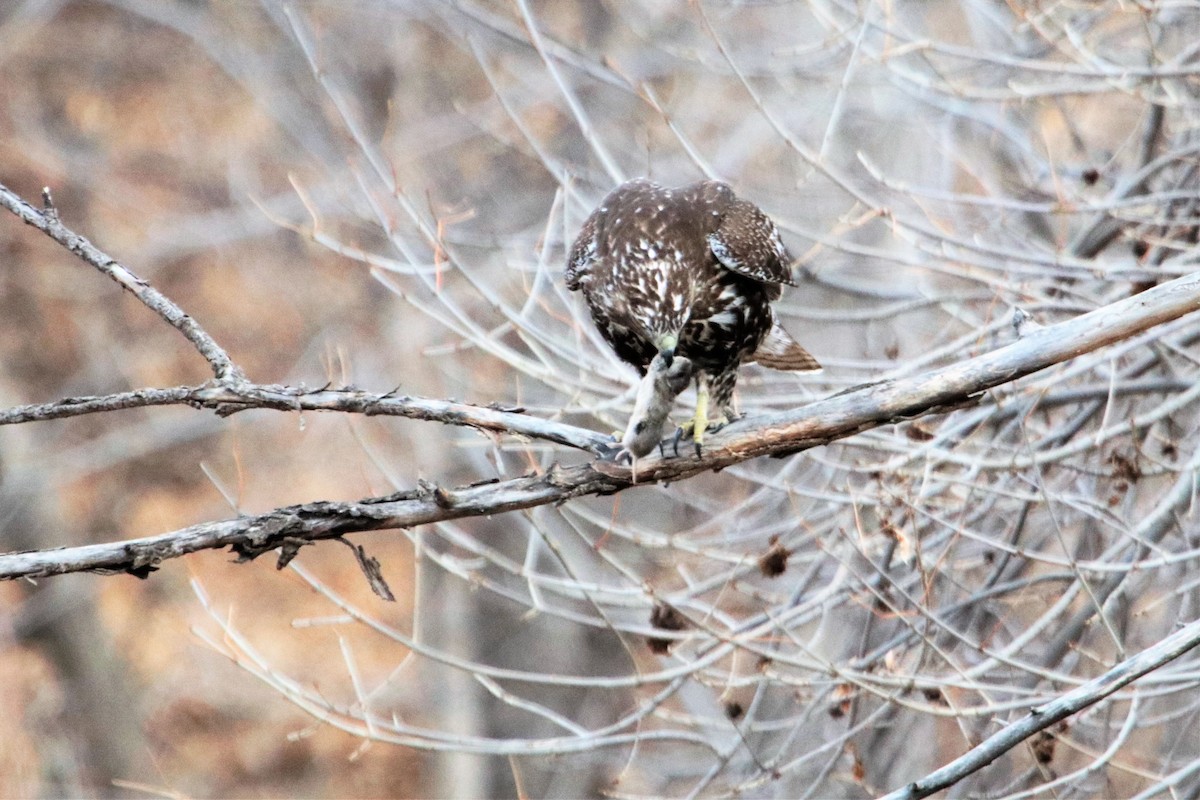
(664, 381)
(688, 272)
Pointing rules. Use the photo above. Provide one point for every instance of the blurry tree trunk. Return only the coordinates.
(95, 737)
(453, 625)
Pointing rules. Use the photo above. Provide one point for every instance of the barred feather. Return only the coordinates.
(694, 267)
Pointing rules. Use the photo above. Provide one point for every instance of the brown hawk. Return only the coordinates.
(689, 271)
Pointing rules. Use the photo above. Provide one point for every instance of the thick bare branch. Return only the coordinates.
(783, 433)
(294, 526)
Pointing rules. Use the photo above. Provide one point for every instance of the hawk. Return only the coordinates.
(690, 271)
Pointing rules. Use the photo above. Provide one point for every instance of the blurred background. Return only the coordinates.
(380, 193)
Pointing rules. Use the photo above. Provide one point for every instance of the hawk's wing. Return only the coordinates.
(746, 242)
(583, 251)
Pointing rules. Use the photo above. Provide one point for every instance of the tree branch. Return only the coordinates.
(47, 222)
(1043, 716)
(227, 399)
(231, 392)
(781, 433)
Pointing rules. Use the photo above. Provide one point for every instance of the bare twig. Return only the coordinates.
(226, 400)
(46, 220)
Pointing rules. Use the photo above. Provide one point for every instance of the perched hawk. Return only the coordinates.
(689, 271)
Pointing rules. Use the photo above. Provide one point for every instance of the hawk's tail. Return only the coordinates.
(778, 350)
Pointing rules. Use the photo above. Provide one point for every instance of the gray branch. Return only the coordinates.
(46, 220)
(776, 434)
(226, 399)
(1043, 716)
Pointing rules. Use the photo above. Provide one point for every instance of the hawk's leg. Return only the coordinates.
(721, 405)
(700, 420)
(713, 396)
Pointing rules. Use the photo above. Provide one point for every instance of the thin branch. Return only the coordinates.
(231, 392)
(46, 220)
(776, 434)
(230, 399)
(1042, 717)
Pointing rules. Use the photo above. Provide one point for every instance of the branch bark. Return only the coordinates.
(781, 433)
(46, 220)
(1042, 717)
(229, 398)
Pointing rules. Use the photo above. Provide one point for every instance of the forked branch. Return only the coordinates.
(782, 433)
(776, 434)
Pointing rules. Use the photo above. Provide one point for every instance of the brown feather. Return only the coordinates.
(778, 350)
(691, 270)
